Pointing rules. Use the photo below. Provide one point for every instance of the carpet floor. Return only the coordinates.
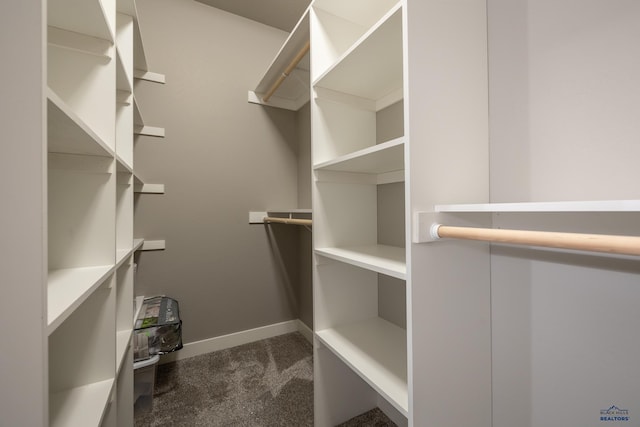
(268, 383)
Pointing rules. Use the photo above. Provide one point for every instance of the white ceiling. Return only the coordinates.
(282, 14)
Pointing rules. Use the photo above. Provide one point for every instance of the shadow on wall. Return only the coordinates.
(286, 252)
(284, 121)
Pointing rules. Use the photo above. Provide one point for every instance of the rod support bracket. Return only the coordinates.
(433, 231)
(425, 227)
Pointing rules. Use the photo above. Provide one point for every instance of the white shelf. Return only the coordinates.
(389, 260)
(122, 166)
(153, 245)
(81, 16)
(149, 76)
(70, 287)
(378, 159)
(137, 244)
(372, 67)
(154, 131)
(70, 40)
(81, 406)
(289, 211)
(376, 350)
(148, 188)
(123, 340)
(122, 255)
(293, 93)
(576, 206)
(68, 133)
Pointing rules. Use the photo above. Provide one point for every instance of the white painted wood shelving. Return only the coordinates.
(357, 68)
(90, 184)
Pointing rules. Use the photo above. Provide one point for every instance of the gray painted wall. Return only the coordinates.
(222, 157)
(391, 228)
(305, 302)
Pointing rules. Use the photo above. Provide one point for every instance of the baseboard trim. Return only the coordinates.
(238, 338)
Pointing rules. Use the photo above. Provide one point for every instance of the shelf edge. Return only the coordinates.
(99, 391)
(55, 320)
(524, 207)
(361, 371)
(360, 261)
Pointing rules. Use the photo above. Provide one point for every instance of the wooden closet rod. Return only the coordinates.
(294, 62)
(624, 245)
(290, 221)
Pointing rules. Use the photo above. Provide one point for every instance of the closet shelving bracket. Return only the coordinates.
(153, 245)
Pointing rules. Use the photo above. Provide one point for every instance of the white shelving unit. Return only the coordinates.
(81, 296)
(86, 184)
(357, 65)
(496, 336)
(478, 315)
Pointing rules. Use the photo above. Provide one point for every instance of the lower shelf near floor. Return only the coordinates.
(376, 350)
(80, 406)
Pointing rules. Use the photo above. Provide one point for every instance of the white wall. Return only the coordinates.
(564, 89)
(222, 157)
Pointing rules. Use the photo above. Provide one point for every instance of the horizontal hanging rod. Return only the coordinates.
(293, 64)
(290, 221)
(624, 245)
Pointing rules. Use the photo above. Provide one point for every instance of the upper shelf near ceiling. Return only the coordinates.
(285, 84)
(141, 68)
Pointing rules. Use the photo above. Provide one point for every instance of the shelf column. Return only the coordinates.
(449, 287)
(23, 193)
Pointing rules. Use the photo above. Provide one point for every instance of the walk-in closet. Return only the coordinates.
(371, 212)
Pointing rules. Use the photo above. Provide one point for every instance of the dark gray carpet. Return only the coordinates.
(267, 383)
(373, 418)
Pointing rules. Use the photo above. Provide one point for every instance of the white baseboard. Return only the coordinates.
(238, 338)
